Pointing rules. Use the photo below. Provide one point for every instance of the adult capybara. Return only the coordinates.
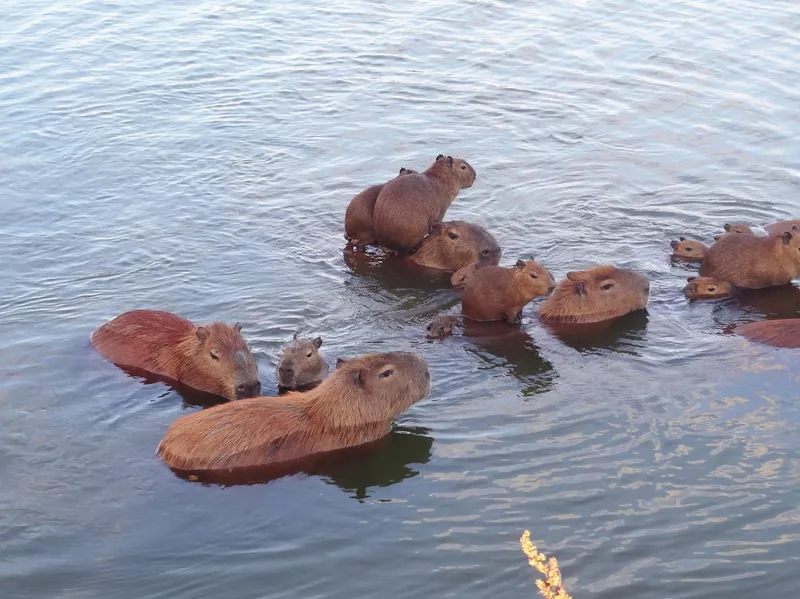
(462, 275)
(782, 227)
(358, 224)
(301, 365)
(595, 295)
(453, 245)
(688, 250)
(754, 262)
(213, 358)
(442, 326)
(497, 293)
(778, 333)
(704, 288)
(408, 207)
(354, 405)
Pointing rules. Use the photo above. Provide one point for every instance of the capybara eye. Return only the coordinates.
(712, 288)
(607, 286)
(309, 354)
(688, 249)
(534, 276)
(463, 167)
(215, 354)
(386, 373)
(452, 235)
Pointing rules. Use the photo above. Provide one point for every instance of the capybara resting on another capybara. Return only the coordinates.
(453, 245)
(442, 326)
(688, 250)
(595, 295)
(782, 227)
(213, 358)
(301, 365)
(704, 288)
(496, 293)
(778, 333)
(754, 262)
(462, 275)
(354, 405)
(408, 207)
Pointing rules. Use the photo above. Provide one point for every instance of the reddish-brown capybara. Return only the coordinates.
(358, 224)
(688, 250)
(442, 326)
(301, 365)
(704, 288)
(782, 227)
(462, 275)
(497, 293)
(453, 245)
(754, 262)
(354, 405)
(778, 333)
(408, 207)
(595, 295)
(213, 358)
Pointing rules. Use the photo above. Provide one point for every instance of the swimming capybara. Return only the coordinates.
(301, 365)
(408, 207)
(689, 250)
(497, 293)
(754, 262)
(442, 326)
(782, 227)
(453, 245)
(354, 405)
(704, 288)
(213, 358)
(738, 228)
(778, 333)
(358, 225)
(595, 295)
(462, 275)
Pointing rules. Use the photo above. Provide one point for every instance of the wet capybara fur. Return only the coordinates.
(408, 207)
(688, 250)
(706, 288)
(496, 293)
(782, 227)
(754, 262)
(462, 275)
(778, 333)
(456, 244)
(595, 295)
(354, 405)
(442, 326)
(301, 365)
(213, 358)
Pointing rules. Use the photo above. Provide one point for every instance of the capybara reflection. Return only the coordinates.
(301, 365)
(782, 227)
(778, 333)
(595, 295)
(442, 326)
(497, 293)
(705, 288)
(754, 262)
(454, 245)
(462, 275)
(358, 224)
(354, 405)
(408, 207)
(688, 249)
(213, 358)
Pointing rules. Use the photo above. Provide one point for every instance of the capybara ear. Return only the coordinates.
(202, 333)
(682, 238)
(574, 276)
(795, 228)
(787, 238)
(520, 264)
(317, 342)
(358, 381)
(428, 328)
(294, 337)
(340, 361)
(402, 170)
(439, 157)
(238, 327)
(716, 237)
(727, 227)
(690, 279)
(449, 162)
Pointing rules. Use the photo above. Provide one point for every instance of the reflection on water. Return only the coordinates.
(625, 334)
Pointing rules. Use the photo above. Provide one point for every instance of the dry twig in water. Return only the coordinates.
(550, 587)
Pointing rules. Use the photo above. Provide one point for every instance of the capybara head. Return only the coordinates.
(791, 241)
(406, 171)
(442, 326)
(738, 228)
(688, 249)
(301, 364)
(700, 288)
(530, 280)
(224, 355)
(462, 275)
(594, 295)
(457, 168)
(455, 244)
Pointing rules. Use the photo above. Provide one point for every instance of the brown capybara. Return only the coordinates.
(754, 262)
(354, 405)
(497, 293)
(778, 333)
(462, 275)
(595, 295)
(442, 326)
(453, 245)
(301, 365)
(212, 358)
(704, 288)
(408, 207)
(738, 228)
(782, 227)
(358, 226)
(689, 250)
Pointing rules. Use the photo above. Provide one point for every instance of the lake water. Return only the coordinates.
(198, 157)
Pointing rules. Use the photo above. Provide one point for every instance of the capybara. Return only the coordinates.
(301, 365)
(408, 207)
(497, 293)
(442, 326)
(213, 358)
(595, 295)
(782, 227)
(738, 228)
(703, 288)
(453, 245)
(462, 275)
(358, 226)
(689, 250)
(754, 262)
(354, 405)
(778, 333)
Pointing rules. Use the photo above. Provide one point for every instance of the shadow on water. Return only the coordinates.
(379, 271)
(622, 334)
(750, 305)
(191, 397)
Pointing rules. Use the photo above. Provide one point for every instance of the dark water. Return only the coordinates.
(198, 157)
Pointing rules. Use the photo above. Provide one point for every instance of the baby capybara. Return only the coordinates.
(462, 275)
(754, 262)
(705, 288)
(408, 207)
(442, 326)
(689, 250)
(596, 295)
(453, 245)
(212, 358)
(301, 365)
(782, 227)
(354, 405)
(778, 333)
(496, 293)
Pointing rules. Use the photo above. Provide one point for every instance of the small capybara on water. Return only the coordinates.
(212, 358)
(462, 275)
(453, 245)
(706, 288)
(736, 229)
(354, 405)
(301, 365)
(596, 295)
(497, 293)
(408, 207)
(782, 227)
(688, 250)
(358, 225)
(754, 262)
(778, 333)
(442, 326)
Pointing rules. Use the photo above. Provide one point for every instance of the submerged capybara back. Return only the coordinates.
(754, 262)
(778, 333)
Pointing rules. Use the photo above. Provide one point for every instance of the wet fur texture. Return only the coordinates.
(706, 288)
(778, 333)
(754, 262)
(456, 244)
(442, 326)
(358, 219)
(462, 275)
(301, 364)
(782, 227)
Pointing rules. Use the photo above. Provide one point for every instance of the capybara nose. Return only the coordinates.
(245, 390)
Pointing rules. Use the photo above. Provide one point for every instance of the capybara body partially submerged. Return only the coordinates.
(212, 358)
(738, 228)
(454, 245)
(301, 365)
(442, 326)
(497, 293)
(462, 275)
(707, 288)
(596, 295)
(408, 207)
(688, 250)
(354, 405)
(754, 262)
(778, 333)
(782, 227)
